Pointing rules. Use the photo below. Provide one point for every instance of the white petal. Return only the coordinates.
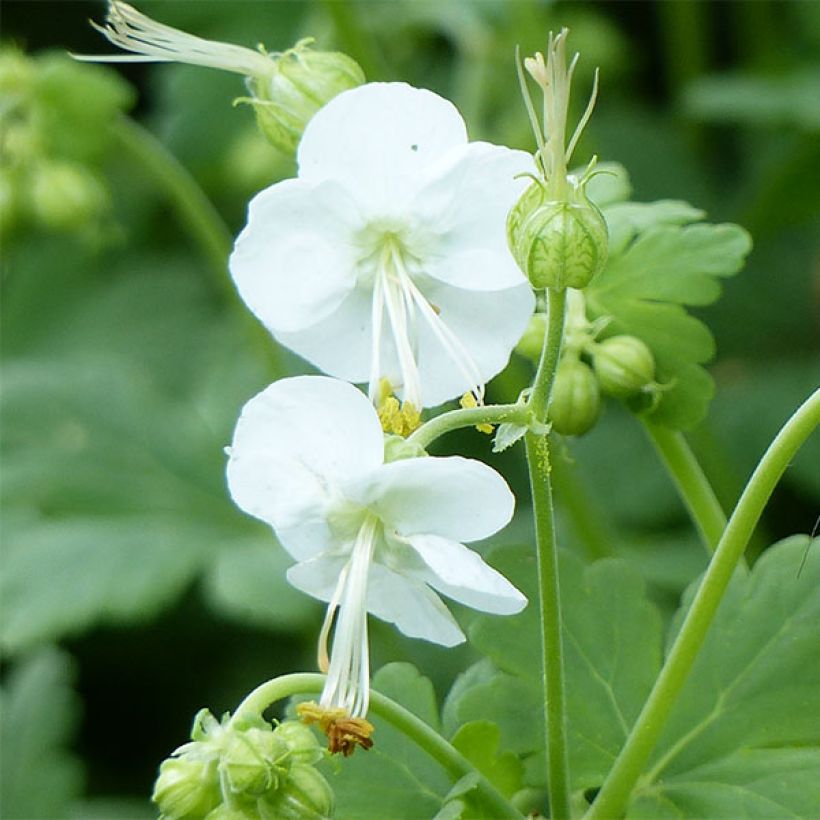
(317, 576)
(412, 606)
(467, 206)
(293, 263)
(453, 497)
(340, 344)
(295, 445)
(487, 323)
(463, 575)
(379, 140)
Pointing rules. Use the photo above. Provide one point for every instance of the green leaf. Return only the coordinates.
(612, 642)
(60, 578)
(40, 777)
(479, 743)
(247, 583)
(744, 737)
(658, 264)
(396, 778)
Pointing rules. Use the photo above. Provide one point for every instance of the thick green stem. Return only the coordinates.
(456, 765)
(552, 653)
(615, 793)
(195, 209)
(691, 482)
(468, 417)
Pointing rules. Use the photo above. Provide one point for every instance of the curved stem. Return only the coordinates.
(552, 652)
(195, 209)
(615, 793)
(691, 482)
(456, 765)
(468, 417)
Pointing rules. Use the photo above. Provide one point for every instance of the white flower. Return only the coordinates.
(308, 459)
(387, 257)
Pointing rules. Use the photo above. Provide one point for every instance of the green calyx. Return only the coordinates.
(246, 769)
(300, 82)
(557, 243)
(624, 365)
(576, 398)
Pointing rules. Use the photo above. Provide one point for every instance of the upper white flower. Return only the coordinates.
(387, 257)
(308, 459)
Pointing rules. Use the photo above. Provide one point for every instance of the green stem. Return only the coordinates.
(195, 209)
(691, 482)
(468, 417)
(456, 765)
(615, 793)
(552, 652)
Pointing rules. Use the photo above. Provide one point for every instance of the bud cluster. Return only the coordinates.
(54, 130)
(249, 770)
(619, 366)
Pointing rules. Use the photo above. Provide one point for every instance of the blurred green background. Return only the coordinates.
(126, 354)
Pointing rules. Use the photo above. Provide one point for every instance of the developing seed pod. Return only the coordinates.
(576, 398)
(300, 82)
(557, 243)
(187, 787)
(624, 365)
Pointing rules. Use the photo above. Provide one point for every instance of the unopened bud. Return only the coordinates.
(304, 795)
(187, 787)
(624, 365)
(576, 398)
(530, 344)
(557, 243)
(301, 81)
(248, 760)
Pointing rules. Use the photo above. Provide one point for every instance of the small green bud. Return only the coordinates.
(187, 787)
(557, 243)
(248, 760)
(530, 344)
(303, 747)
(624, 365)
(65, 195)
(300, 83)
(576, 398)
(304, 795)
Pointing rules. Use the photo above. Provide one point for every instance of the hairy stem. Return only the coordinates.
(456, 765)
(469, 417)
(552, 653)
(614, 796)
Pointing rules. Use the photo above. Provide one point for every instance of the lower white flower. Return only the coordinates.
(387, 259)
(308, 458)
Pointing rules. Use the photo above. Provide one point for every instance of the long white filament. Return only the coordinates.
(395, 291)
(348, 674)
(151, 41)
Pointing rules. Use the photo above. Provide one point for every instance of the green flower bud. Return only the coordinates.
(248, 761)
(301, 81)
(530, 344)
(187, 787)
(304, 795)
(557, 243)
(624, 365)
(303, 747)
(576, 398)
(65, 195)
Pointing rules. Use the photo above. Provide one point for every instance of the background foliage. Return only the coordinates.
(133, 593)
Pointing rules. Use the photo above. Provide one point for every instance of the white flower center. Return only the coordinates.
(348, 669)
(395, 271)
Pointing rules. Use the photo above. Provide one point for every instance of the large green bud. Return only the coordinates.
(303, 795)
(557, 243)
(300, 82)
(576, 398)
(187, 787)
(624, 365)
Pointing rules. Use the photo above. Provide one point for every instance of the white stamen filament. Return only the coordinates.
(154, 42)
(395, 289)
(348, 673)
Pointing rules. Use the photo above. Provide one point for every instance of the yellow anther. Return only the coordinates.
(469, 401)
(399, 420)
(344, 733)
